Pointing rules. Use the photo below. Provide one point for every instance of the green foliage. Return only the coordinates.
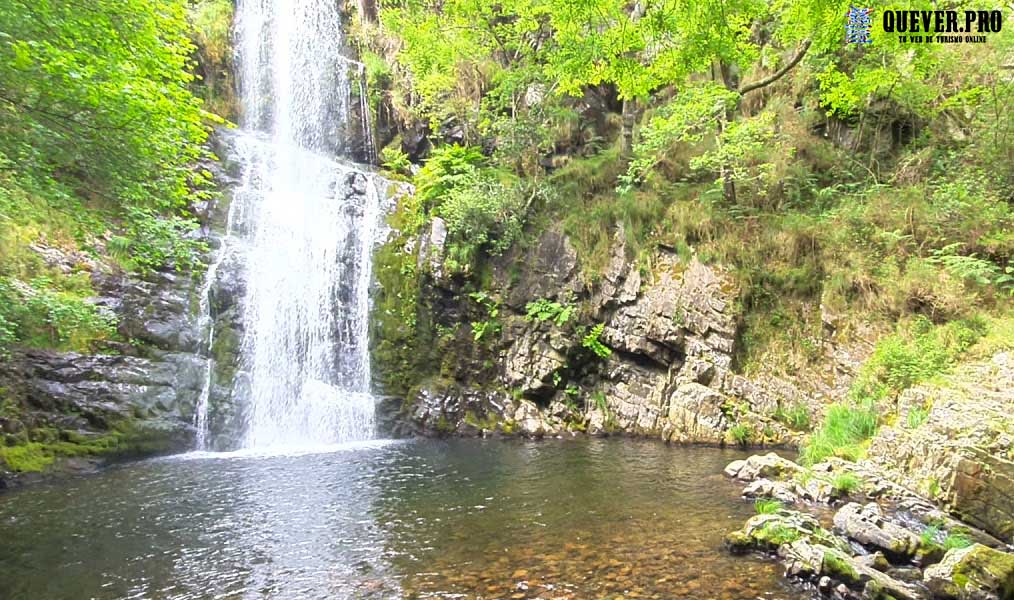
(956, 541)
(482, 213)
(917, 415)
(486, 329)
(395, 160)
(846, 483)
(842, 433)
(767, 506)
(741, 434)
(591, 342)
(775, 534)
(796, 417)
(447, 168)
(953, 540)
(688, 118)
(211, 22)
(40, 315)
(914, 354)
(150, 242)
(546, 310)
(100, 96)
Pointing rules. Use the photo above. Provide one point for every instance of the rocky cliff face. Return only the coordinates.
(671, 329)
(957, 448)
(138, 400)
(71, 411)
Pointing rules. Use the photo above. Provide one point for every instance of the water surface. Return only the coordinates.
(571, 519)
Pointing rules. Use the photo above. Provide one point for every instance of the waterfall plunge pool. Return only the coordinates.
(557, 519)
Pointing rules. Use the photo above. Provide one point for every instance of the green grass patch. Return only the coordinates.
(843, 433)
(846, 483)
(795, 417)
(740, 434)
(767, 506)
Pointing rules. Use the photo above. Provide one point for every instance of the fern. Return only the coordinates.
(591, 342)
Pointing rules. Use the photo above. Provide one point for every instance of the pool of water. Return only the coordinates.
(566, 519)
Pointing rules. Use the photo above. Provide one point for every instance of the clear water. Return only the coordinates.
(571, 519)
(307, 226)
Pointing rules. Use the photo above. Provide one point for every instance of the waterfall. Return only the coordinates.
(308, 223)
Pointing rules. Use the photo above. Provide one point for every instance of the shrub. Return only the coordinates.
(447, 168)
(151, 242)
(395, 160)
(482, 213)
(40, 315)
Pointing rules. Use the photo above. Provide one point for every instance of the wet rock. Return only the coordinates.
(973, 573)
(867, 525)
(531, 422)
(550, 271)
(804, 558)
(432, 248)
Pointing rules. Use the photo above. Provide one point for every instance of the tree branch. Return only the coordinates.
(779, 73)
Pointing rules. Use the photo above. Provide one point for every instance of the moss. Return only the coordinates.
(837, 566)
(224, 352)
(444, 426)
(48, 444)
(776, 534)
(29, 458)
(488, 423)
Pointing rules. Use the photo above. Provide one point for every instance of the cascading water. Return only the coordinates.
(307, 225)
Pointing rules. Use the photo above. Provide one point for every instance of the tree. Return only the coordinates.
(96, 93)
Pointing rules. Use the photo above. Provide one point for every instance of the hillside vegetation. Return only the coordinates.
(858, 189)
(101, 144)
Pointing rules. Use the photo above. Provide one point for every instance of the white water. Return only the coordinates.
(308, 224)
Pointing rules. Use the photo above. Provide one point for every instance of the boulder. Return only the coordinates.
(867, 525)
(973, 573)
(766, 488)
(762, 466)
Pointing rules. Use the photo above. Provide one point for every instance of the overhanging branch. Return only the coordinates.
(780, 72)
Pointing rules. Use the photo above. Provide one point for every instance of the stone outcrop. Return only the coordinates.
(961, 456)
(671, 332)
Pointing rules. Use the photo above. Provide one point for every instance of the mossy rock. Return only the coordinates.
(48, 446)
(976, 572)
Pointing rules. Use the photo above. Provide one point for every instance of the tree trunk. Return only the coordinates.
(629, 118)
(368, 11)
(730, 78)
